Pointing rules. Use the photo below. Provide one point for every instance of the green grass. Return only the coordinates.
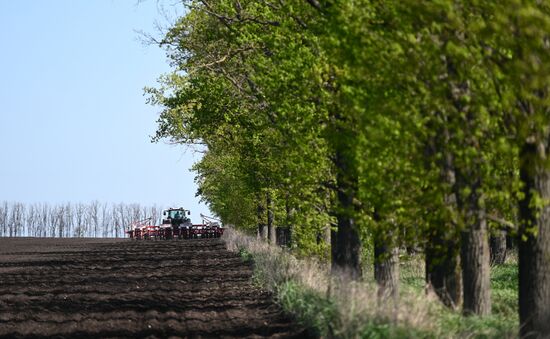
(504, 284)
(411, 273)
(320, 313)
(310, 308)
(246, 255)
(357, 315)
(502, 323)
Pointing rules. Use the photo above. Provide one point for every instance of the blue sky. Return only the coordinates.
(74, 125)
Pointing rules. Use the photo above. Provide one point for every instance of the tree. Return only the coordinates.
(517, 48)
(394, 123)
(4, 218)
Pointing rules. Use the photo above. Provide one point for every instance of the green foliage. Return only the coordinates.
(245, 255)
(457, 326)
(416, 112)
(504, 283)
(311, 309)
(320, 313)
(239, 89)
(331, 315)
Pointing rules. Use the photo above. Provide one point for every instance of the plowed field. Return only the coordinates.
(122, 288)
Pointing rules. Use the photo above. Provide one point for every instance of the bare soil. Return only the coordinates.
(123, 288)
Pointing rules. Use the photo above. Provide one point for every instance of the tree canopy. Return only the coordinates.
(366, 126)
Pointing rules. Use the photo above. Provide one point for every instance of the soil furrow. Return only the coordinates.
(121, 288)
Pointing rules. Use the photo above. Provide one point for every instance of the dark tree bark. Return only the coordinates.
(475, 256)
(342, 137)
(283, 233)
(443, 270)
(476, 270)
(333, 245)
(347, 252)
(510, 242)
(498, 248)
(442, 252)
(288, 221)
(386, 270)
(283, 236)
(346, 258)
(534, 244)
(262, 228)
(271, 234)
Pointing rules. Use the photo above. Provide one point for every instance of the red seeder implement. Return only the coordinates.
(175, 225)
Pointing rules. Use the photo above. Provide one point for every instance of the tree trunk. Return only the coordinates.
(283, 237)
(475, 256)
(510, 242)
(262, 228)
(443, 270)
(498, 248)
(271, 234)
(327, 234)
(346, 255)
(386, 270)
(442, 250)
(534, 245)
(346, 258)
(333, 245)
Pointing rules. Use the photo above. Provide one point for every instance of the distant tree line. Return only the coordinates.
(67, 220)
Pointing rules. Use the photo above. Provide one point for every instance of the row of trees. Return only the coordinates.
(71, 220)
(367, 126)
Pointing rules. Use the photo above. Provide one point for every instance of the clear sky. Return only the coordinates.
(74, 125)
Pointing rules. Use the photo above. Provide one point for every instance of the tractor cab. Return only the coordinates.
(175, 216)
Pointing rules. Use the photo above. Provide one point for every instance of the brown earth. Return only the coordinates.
(123, 288)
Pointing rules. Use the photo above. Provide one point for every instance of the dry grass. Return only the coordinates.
(278, 265)
(354, 307)
(336, 307)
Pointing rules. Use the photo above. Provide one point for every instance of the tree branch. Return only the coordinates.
(507, 224)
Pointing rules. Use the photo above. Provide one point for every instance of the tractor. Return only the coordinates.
(175, 225)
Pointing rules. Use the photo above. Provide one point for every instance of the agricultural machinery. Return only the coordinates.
(175, 225)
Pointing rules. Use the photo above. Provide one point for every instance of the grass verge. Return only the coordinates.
(333, 307)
